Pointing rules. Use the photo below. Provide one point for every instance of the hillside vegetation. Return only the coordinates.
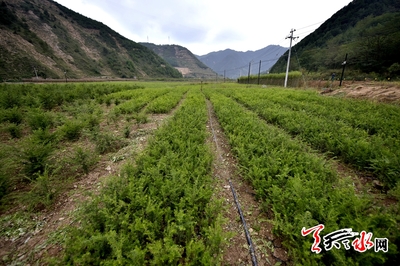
(368, 31)
(55, 41)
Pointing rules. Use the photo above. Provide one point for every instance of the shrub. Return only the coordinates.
(42, 194)
(13, 115)
(108, 101)
(10, 100)
(91, 121)
(37, 119)
(141, 118)
(127, 132)
(84, 159)
(106, 142)
(71, 130)
(4, 183)
(44, 137)
(15, 131)
(35, 158)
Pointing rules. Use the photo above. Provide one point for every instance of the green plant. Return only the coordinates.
(44, 137)
(15, 131)
(295, 183)
(10, 99)
(4, 184)
(106, 142)
(35, 157)
(166, 102)
(141, 118)
(13, 115)
(84, 159)
(159, 211)
(127, 131)
(38, 119)
(91, 121)
(43, 192)
(108, 101)
(71, 130)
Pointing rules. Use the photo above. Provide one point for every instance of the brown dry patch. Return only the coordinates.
(377, 91)
(268, 248)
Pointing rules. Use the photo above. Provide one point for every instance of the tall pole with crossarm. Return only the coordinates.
(290, 50)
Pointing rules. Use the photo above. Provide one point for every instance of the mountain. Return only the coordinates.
(235, 64)
(43, 36)
(183, 60)
(368, 31)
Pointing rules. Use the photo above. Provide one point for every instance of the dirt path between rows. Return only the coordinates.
(268, 248)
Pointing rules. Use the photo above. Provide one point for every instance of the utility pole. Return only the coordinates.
(224, 75)
(259, 70)
(36, 72)
(290, 49)
(344, 66)
(248, 76)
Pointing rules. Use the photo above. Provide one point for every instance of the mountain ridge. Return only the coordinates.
(54, 41)
(233, 63)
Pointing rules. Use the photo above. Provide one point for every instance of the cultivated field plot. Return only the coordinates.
(324, 172)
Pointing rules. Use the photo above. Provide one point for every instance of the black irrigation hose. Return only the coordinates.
(249, 242)
(251, 246)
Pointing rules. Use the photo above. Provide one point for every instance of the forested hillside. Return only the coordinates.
(367, 30)
(47, 39)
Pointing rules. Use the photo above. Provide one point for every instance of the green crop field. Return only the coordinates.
(311, 160)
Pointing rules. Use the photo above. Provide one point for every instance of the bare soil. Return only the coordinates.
(388, 92)
(268, 248)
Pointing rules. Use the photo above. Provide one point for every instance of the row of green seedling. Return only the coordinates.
(139, 99)
(158, 211)
(301, 189)
(164, 103)
(375, 118)
(49, 96)
(374, 153)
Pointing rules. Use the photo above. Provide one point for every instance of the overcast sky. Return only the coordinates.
(205, 26)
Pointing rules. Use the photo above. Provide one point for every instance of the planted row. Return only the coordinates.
(139, 99)
(49, 96)
(159, 211)
(379, 153)
(166, 102)
(301, 189)
(375, 118)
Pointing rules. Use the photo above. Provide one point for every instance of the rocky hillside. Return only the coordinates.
(183, 60)
(44, 38)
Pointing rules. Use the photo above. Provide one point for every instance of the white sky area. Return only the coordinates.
(205, 26)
